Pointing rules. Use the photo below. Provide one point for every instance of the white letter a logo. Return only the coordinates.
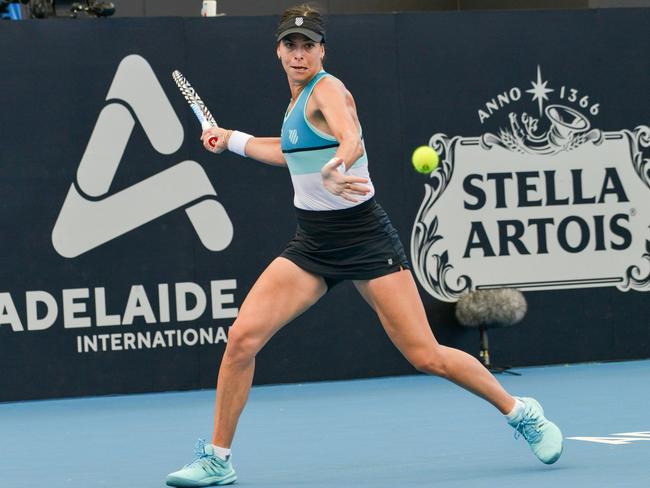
(90, 218)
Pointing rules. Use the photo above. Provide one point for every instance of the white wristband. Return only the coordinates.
(237, 142)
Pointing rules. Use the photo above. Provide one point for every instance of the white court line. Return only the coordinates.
(616, 439)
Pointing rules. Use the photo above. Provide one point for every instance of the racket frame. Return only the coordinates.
(200, 110)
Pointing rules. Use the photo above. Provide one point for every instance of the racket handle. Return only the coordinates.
(205, 125)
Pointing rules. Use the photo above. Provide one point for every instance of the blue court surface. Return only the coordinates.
(412, 431)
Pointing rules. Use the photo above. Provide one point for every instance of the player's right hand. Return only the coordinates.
(215, 139)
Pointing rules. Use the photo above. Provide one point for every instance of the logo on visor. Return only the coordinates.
(299, 21)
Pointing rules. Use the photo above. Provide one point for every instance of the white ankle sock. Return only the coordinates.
(222, 452)
(516, 410)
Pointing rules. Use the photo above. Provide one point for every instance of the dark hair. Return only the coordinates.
(303, 10)
(313, 21)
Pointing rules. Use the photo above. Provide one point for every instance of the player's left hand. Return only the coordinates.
(337, 182)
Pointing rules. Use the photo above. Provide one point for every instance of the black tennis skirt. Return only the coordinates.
(357, 243)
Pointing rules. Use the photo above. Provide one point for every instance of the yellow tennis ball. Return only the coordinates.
(425, 159)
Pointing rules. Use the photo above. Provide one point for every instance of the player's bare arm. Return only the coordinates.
(331, 109)
(263, 149)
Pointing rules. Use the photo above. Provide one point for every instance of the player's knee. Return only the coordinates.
(431, 362)
(242, 346)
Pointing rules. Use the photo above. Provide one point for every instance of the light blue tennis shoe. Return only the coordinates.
(543, 436)
(207, 469)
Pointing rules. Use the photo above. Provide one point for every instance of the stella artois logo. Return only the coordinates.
(547, 201)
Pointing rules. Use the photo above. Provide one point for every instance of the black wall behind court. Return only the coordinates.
(192, 8)
(149, 8)
(412, 75)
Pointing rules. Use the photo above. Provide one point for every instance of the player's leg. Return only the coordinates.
(397, 302)
(282, 292)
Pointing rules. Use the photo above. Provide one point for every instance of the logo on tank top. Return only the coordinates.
(293, 136)
(546, 201)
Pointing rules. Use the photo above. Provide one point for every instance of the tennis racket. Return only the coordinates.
(198, 107)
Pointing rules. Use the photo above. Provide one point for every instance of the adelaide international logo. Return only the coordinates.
(546, 202)
(91, 215)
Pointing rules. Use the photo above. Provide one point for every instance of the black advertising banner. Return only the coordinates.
(127, 249)
(541, 120)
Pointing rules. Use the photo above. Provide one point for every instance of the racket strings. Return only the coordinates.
(192, 97)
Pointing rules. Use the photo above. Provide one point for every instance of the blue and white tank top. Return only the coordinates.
(306, 150)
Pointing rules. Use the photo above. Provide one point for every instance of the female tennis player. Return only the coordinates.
(342, 234)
